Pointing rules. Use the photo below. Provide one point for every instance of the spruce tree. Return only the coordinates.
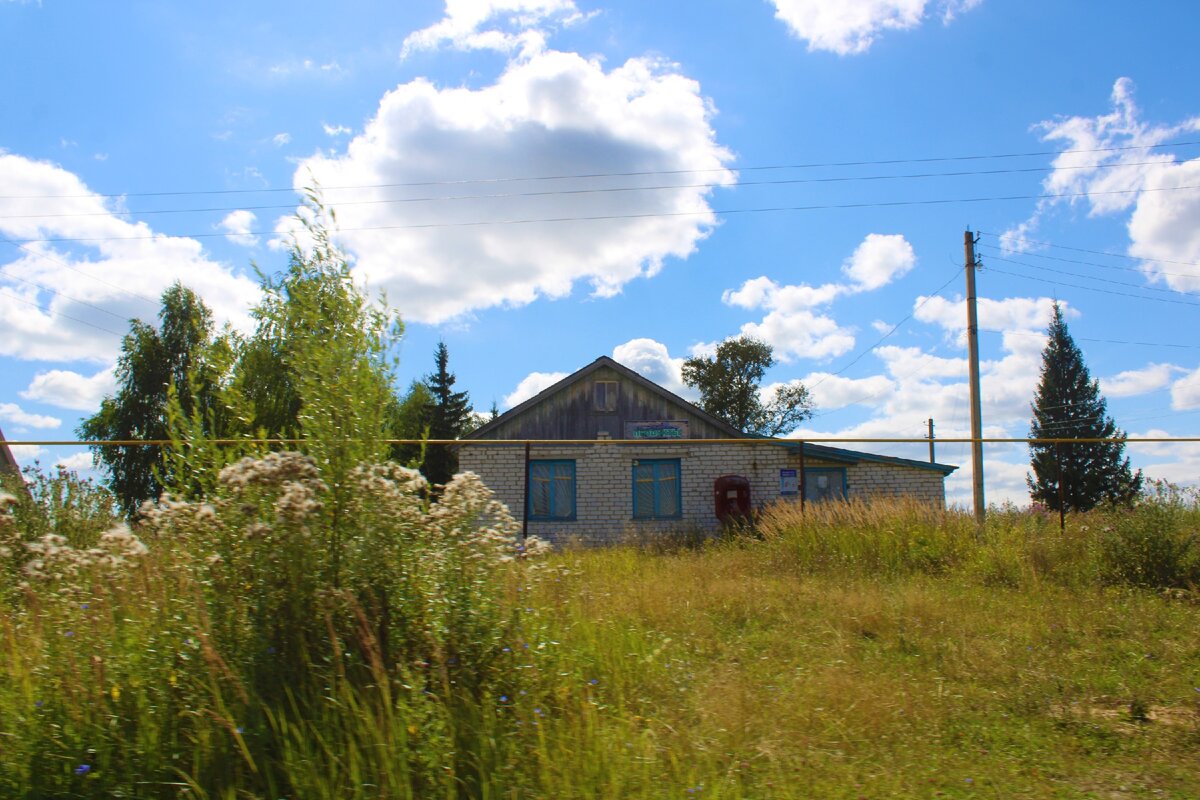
(449, 416)
(1068, 405)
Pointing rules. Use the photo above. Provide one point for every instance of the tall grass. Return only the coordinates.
(879, 649)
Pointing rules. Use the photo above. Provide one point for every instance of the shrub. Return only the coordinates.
(1155, 545)
(210, 639)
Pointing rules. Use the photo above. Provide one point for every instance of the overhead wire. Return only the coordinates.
(567, 192)
(630, 174)
(1093, 277)
(1092, 252)
(1138, 270)
(51, 311)
(1101, 341)
(647, 215)
(1092, 288)
(78, 271)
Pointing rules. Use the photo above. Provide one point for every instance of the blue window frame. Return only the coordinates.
(551, 490)
(656, 489)
(824, 483)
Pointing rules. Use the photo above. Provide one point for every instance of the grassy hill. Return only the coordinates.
(856, 650)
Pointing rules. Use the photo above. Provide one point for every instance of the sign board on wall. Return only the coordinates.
(789, 481)
(657, 429)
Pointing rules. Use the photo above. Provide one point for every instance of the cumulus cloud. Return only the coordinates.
(12, 413)
(238, 226)
(502, 25)
(1138, 381)
(280, 139)
(335, 130)
(1185, 392)
(479, 245)
(879, 260)
(651, 359)
(63, 301)
(793, 326)
(848, 27)
(532, 384)
(67, 389)
(1164, 223)
(81, 462)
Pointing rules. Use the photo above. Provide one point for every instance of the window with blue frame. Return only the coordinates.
(824, 483)
(551, 490)
(656, 489)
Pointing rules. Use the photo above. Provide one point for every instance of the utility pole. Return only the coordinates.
(930, 421)
(973, 364)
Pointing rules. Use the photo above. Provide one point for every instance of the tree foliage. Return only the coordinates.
(1068, 405)
(729, 388)
(450, 416)
(179, 359)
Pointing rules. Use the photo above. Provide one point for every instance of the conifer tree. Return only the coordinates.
(450, 416)
(1068, 405)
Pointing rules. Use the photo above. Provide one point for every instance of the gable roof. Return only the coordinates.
(7, 462)
(625, 372)
(824, 452)
(839, 454)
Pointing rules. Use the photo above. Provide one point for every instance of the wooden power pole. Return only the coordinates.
(973, 365)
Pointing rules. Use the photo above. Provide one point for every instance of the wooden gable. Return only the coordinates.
(606, 400)
(7, 462)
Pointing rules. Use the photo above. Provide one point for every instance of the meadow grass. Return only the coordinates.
(870, 649)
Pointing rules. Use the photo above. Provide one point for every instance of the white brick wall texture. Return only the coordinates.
(604, 483)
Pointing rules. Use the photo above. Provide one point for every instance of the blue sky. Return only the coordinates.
(541, 182)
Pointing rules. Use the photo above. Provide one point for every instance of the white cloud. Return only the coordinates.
(1164, 230)
(1185, 392)
(879, 260)
(12, 413)
(306, 66)
(335, 130)
(503, 25)
(1132, 382)
(1021, 314)
(792, 326)
(238, 226)
(81, 462)
(532, 384)
(651, 359)
(66, 302)
(1164, 226)
(831, 392)
(280, 139)
(67, 389)
(848, 27)
(551, 114)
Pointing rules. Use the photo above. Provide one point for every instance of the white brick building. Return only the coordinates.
(614, 454)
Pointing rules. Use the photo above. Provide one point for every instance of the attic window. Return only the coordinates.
(604, 396)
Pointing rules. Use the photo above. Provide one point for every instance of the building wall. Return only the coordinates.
(604, 492)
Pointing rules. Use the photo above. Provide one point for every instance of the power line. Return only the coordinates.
(563, 192)
(640, 173)
(648, 215)
(1137, 270)
(1095, 252)
(65, 265)
(1094, 278)
(1101, 341)
(895, 328)
(1091, 288)
(20, 299)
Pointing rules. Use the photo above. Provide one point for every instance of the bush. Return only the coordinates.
(205, 644)
(1155, 545)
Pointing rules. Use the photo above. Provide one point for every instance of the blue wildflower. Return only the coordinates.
(83, 769)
